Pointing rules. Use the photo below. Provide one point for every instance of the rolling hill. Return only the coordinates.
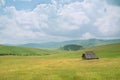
(104, 51)
(22, 51)
(64, 66)
(84, 43)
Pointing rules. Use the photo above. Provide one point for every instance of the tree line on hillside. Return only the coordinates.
(72, 47)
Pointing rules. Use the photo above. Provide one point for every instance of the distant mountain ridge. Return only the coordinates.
(84, 43)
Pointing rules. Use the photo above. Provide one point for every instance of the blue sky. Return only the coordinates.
(26, 4)
(37, 21)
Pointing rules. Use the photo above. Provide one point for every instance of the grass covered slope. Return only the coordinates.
(64, 66)
(104, 51)
(107, 51)
(21, 51)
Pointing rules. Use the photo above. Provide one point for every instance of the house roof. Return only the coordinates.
(90, 55)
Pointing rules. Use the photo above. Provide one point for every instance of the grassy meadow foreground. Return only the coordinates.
(63, 66)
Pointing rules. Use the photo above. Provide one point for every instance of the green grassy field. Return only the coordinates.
(23, 51)
(105, 51)
(63, 66)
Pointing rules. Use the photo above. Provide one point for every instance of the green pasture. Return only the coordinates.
(60, 65)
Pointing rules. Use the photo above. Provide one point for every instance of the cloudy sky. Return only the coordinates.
(37, 21)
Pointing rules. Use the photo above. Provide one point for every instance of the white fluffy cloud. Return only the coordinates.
(73, 15)
(109, 23)
(28, 25)
(88, 35)
(59, 20)
(21, 25)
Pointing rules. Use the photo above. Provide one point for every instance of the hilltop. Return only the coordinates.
(104, 51)
(67, 65)
(23, 51)
(85, 43)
